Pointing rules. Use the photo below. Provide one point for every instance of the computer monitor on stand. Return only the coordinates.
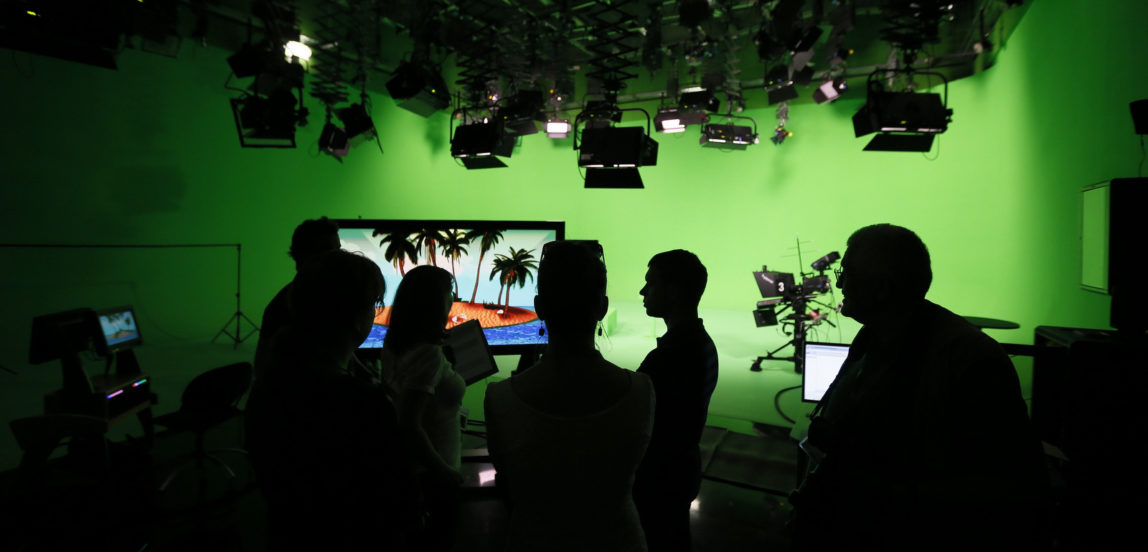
(109, 333)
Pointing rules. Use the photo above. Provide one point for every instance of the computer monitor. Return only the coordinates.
(118, 330)
(822, 363)
(505, 312)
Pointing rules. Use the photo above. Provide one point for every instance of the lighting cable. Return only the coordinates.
(777, 403)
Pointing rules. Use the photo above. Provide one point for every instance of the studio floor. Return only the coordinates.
(749, 457)
(741, 505)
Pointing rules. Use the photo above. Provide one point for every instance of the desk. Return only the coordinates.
(113, 398)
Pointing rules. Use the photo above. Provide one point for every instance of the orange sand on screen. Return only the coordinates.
(461, 312)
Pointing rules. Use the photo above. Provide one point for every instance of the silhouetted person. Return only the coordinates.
(324, 443)
(311, 237)
(567, 434)
(684, 370)
(923, 440)
(428, 395)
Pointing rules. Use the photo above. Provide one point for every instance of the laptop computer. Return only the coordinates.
(822, 363)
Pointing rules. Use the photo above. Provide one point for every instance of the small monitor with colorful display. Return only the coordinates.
(118, 329)
(494, 263)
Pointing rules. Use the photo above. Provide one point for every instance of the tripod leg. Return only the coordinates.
(254, 327)
(223, 330)
(771, 353)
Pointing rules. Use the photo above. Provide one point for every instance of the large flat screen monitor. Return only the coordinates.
(822, 363)
(482, 255)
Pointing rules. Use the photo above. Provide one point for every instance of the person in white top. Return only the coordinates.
(428, 394)
(566, 435)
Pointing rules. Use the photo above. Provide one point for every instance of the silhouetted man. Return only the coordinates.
(311, 237)
(684, 370)
(923, 440)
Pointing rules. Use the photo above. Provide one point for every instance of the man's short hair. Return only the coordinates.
(683, 270)
(895, 252)
(312, 237)
(572, 281)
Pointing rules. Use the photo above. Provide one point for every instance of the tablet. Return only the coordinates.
(467, 349)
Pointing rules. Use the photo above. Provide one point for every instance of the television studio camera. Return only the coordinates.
(781, 292)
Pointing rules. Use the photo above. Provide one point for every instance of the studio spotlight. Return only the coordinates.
(267, 122)
(803, 76)
(295, 49)
(669, 120)
(88, 32)
(521, 111)
(729, 136)
(804, 39)
(478, 144)
(698, 99)
(779, 86)
(777, 77)
(557, 128)
(612, 155)
(829, 90)
(617, 148)
(780, 135)
(903, 121)
(358, 124)
(267, 114)
(783, 94)
(333, 141)
(418, 89)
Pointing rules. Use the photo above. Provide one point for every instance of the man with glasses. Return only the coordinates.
(923, 440)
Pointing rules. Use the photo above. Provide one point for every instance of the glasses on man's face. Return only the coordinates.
(837, 272)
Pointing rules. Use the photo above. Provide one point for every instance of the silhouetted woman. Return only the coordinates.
(566, 435)
(323, 443)
(427, 394)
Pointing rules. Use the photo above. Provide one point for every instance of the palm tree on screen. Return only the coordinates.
(398, 248)
(514, 268)
(429, 238)
(500, 269)
(487, 240)
(453, 247)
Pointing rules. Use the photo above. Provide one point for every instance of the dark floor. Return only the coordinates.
(741, 505)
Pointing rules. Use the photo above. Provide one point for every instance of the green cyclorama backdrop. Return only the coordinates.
(148, 155)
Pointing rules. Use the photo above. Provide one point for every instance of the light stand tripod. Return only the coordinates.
(238, 317)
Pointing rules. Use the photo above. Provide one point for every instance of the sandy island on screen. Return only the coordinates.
(461, 312)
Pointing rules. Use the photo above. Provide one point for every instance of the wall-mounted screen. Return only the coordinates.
(494, 263)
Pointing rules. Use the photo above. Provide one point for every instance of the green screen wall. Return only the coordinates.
(148, 155)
